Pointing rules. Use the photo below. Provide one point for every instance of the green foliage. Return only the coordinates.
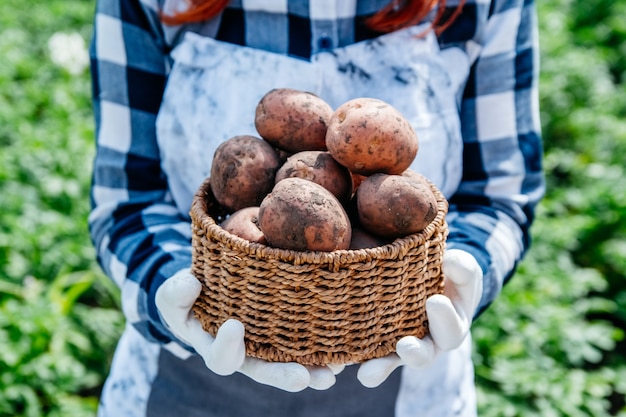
(59, 317)
(45, 129)
(55, 349)
(538, 350)
(552, 345)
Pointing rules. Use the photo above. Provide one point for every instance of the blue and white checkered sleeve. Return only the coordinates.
(503, 181)
(139, 235)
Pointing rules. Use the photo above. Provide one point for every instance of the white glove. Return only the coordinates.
(449, 320)
(225, 353)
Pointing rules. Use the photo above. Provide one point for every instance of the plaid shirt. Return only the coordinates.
(142, 238)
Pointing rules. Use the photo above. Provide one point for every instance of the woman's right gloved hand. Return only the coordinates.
(225, 353)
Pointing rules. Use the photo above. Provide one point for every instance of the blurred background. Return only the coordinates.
(552, 345)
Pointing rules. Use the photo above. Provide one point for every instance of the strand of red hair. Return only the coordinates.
(396, 15)
(198, 11)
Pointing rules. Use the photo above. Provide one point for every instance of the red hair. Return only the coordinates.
(397, 14)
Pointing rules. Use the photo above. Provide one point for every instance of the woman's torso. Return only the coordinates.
(219, 71)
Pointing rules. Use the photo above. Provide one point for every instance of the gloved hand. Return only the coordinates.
(225, 353)
(449, 319)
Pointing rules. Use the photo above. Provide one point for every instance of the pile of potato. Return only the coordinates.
(319, 179)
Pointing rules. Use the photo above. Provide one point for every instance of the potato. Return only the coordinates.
(321, 168)
(243, 171)
(244, 223)
(301, 215)
(369, 136)
(293, 120)
(393, 206)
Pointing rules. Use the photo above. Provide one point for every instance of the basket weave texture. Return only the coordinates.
(315, 308)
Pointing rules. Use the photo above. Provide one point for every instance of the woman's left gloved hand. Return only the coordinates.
(225, 352)
(449, 320)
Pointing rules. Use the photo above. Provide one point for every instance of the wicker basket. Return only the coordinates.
(315, 308)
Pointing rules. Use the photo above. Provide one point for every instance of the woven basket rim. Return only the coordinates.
(398, 248)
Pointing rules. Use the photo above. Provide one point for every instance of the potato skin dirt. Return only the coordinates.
(304, 216)
(321, 168)
(293, 120)
(243, 171)
(370, 136)
(393, 206)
